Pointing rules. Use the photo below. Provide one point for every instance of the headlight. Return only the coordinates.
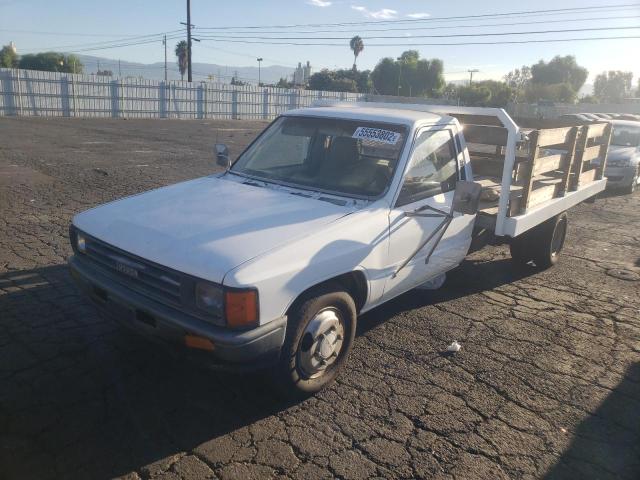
(237, 306)
(81, 242)
(210, 298)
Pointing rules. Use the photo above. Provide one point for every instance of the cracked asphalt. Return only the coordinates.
(547, 384)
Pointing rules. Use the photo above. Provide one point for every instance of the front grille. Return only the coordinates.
(137, 273)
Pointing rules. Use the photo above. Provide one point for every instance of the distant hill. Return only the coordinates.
(201, 71)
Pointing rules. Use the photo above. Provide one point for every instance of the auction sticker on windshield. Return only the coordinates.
(377, 135)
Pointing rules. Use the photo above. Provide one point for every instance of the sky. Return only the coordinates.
(75, 25)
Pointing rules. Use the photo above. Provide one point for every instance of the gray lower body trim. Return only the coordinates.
(259, 345)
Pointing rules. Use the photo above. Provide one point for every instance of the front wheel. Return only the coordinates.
(320, 333)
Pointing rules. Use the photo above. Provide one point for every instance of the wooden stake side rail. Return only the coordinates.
(559, 160)
(565, 154)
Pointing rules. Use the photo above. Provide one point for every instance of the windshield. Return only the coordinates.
(348, 157)
(625, 136)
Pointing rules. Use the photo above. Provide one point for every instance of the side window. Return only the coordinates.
(433, 167)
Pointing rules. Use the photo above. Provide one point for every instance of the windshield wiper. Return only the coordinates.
(252, 183)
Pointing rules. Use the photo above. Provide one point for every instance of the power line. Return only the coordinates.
(455, 35)
(231, 52)
(143, 39)
(439, 27)
(70, 34)
(502, 42)
(118, 45)
(433, 19)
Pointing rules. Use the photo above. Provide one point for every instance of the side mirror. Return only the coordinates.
(222, 155)
(466, 197)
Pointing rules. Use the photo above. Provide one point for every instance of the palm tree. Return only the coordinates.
(182, 54)
(357, 45)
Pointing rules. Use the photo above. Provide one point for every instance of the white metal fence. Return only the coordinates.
(51, 94)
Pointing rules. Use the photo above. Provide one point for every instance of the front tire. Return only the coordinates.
(320, 333)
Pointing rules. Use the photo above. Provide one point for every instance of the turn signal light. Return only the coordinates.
(193, 341)
(241, 308)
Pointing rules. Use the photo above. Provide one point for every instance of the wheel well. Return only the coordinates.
(354, 283)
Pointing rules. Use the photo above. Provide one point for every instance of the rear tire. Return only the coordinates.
(520, 250)
(542, 244)
(320, 333)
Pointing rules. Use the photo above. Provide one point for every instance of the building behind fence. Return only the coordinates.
(52, 94)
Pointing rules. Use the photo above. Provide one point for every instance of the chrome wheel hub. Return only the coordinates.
(321, 343)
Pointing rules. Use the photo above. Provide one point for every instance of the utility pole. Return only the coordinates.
(259, 59)
(189, 75)
(164, 42)
(471, 72)
(119, 69)
(399, 73)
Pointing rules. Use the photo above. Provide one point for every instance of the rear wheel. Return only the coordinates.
(542, 244)
(320, 333)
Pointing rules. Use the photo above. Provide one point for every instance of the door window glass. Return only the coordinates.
(433, 167)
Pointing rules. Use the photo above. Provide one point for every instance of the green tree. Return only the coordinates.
(487, 93)
(51, 62)
(501, 93)
(237, 82)
(613, 86)
(518, 80)
(8, 57)
(357, 46)
(385, 77)
(409, 75)
(284, 83)
(560, 70)
(332, 81)
(589, 99)
(341, 81)
(181, 51)
(559, 92)
(474, 95)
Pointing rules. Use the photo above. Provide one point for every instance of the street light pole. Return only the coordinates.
(259, 59)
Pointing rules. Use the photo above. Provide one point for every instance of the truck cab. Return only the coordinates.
(328, 213)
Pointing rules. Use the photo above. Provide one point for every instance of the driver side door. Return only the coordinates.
(429, 181)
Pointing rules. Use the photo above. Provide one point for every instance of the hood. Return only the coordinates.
(206, 227)
(621, 153)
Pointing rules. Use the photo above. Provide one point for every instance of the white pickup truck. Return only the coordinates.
(331, 211)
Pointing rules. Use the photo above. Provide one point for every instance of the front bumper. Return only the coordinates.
(246, 349)
(618, 177)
